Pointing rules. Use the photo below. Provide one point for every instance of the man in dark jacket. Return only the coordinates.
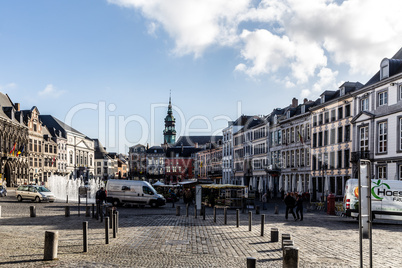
(100, 198)
(299, 207)
(290, 204)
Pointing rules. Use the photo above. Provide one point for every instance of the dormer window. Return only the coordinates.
(384, 69)
(303, 109)
(275, 119)
(322, 99)
(342, 91)
(288, 114)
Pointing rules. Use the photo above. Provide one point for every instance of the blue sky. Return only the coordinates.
(106, 67)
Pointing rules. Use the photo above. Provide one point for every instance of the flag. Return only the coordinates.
(300, 137)
(12, 150)
(54, 159)
(21, 150)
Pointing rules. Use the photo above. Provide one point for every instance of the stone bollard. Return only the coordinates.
(85, 235)
(262, 224)
(225, 215)
(51, 245)
(214, 214)
(251, 262)
(237, 218)
(203, 213)
(250, 219)
(276, 209)
(285, 237)
(291, 257)
(177, 210)
(67, 211)
(117, 221)
(257, 210)
(274, 235)
(110, 213)
(114, 225)
(195, 211)
(87, 211)
(287, 243)
(32, 210)
(106, 230)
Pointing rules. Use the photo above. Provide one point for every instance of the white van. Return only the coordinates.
(119, 192)
(386, 199)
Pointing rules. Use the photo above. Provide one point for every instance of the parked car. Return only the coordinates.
(3, 191)
(35, 193)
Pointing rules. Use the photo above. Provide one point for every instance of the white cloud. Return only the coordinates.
(8, 86)
(301, 38)
(51, 91)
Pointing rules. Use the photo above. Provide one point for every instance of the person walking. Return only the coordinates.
(290, 204)
(299, 207)
(264, 200)
(100, 199)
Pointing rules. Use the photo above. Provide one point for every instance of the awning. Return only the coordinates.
(186, 182)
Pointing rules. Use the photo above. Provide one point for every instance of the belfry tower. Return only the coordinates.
(169, 133)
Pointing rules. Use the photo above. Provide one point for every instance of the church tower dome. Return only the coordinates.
(169, 133)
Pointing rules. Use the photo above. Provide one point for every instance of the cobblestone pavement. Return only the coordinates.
(158, 238)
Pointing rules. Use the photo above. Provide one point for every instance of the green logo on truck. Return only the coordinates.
(378, 184)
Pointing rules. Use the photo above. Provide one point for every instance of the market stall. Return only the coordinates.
(227, 195)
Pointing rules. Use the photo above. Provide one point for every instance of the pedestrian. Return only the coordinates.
(299, 207)
(100, 199)
(290, 204)
(264, 200)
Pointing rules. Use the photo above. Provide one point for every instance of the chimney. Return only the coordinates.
(17, 107)
(295, 102)
(305, 100)
(196, 145)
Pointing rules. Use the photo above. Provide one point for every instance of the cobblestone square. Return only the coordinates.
(158, 238)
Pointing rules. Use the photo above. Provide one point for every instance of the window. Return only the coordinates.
(339, 162)
(364, 104)
(346, 159)
(46, 149)
(332, 160)
(400, 172)
(333, 134)
(35, 145)
(384, 71)
(333, 116)
(325, 137)
(307, 157)
(400, 133)
(340, 113)
(400, 92)
(382, 172)
(347, 133)
(326, 117)
(382, 137)
(347, 110)
(302, 157)
(319, 139)
(320, 119)
(308, 131)
(382, 98)
(340, 131)
(364, 139)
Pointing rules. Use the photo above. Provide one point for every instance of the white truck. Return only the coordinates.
(119, 192)
(386, 199)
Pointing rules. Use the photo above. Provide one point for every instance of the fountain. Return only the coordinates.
(65, 188)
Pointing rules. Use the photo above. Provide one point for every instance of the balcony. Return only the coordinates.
(356, 156)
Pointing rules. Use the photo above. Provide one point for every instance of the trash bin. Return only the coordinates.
(331, 204)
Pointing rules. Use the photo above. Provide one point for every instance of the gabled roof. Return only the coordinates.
(54, 124)
(395, 68)
(197, 140)
(181, 151)
(361, 114)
